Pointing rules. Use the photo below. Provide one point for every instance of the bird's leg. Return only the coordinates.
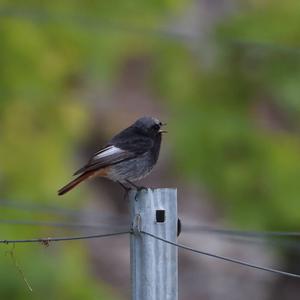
(126, 188)
(138, 188)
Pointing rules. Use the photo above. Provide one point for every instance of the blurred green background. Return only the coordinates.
(228, 85)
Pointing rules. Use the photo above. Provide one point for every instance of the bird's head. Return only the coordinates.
(149, 126)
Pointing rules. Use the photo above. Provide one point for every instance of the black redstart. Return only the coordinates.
(127, 157)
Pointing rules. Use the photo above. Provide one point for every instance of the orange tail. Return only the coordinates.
(74, 183)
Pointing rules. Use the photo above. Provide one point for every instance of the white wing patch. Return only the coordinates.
(109, 151)
(105, 157)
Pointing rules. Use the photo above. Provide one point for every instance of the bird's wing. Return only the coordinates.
(123, 146)
(107, 156)
(132, 142)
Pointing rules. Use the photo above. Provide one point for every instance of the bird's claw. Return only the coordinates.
(140, 188)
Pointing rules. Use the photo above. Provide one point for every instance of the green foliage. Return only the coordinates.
(51, 272)
(220, 139)
(50, 50)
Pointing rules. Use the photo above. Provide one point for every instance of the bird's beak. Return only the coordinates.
(161, 130)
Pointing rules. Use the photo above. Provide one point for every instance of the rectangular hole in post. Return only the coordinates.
(160, 216)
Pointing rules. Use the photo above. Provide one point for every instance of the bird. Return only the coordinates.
(129, 156)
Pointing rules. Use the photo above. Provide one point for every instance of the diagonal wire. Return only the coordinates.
(46, 241)
(61, 239)
(236, 261)
(287, 244)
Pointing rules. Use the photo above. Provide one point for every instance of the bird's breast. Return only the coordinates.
(132, 169)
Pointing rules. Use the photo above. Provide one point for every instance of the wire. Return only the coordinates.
(185, 228)
(236, 261)
(53, 209)
(244, 233)
(287, 244)
(46, 241)
(60, 224)
(123, 221)
(266, 46)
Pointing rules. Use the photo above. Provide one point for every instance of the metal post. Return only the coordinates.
(154, 273)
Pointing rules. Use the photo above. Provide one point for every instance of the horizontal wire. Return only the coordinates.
(236, 261)
(264, 242)
(185, 228)
(46, 241)
(287, 244)
(53, 209)
(266, 46)
(61, 239)
(60, 224)
(124, 220)
(245, 233)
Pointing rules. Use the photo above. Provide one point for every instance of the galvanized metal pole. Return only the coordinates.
(154, 274)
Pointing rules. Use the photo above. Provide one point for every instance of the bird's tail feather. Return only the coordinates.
(74, 183)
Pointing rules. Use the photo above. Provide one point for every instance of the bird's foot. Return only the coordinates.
(138, 188)
(126, 189)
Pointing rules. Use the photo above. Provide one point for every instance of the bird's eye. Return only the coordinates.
(156, 127)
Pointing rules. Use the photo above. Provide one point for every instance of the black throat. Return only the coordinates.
(156, 147)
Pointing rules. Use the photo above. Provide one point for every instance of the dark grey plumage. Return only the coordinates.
(128, 156)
